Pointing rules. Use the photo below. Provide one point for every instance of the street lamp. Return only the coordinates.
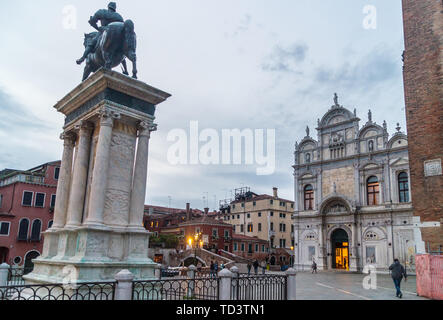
(198, 241)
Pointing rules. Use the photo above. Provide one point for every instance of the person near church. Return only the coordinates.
(398, 272)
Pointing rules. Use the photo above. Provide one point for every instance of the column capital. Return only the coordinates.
(68, 138)
(107, 116)
(84, 126)
(145, 128)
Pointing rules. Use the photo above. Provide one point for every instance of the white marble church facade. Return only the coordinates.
(352, 195)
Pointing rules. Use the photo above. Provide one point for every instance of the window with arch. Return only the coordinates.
(309, 197)
(403, 187)
(308, 158)
(23, 230)
(373, 191)
(36, 230)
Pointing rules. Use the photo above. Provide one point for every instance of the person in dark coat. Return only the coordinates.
(212, 269)
(314, 266)
(249, 268)
(397, 273)
(256, 267)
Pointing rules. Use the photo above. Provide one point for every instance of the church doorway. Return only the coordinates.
(340, 250)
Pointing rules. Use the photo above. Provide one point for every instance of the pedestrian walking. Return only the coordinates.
(263, 267)
(397, 274)
(256, 267)
(314, 266)
(216, 267)
(212, 269)
(249, 266)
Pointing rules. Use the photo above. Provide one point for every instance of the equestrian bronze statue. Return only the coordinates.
(114, 41)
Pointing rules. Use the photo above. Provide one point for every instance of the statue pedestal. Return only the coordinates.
(98, 219)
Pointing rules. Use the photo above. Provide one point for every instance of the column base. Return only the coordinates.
(96, 252)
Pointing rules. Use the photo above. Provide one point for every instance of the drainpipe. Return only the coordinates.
(12, 200)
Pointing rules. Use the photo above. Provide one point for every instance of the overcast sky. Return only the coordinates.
(228, 64)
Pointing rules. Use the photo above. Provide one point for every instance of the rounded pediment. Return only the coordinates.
(399, 140)
(336, 205)
(370, 130)
(307, 144)
(336, 115)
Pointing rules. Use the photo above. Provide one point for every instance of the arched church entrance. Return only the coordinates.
(340, 249)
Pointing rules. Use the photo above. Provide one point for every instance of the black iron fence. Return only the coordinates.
(195, 285)
(79, 291)
(259, 287)
(15, 275)
(176, 289)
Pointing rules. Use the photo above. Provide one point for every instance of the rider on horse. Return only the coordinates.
(105, 16)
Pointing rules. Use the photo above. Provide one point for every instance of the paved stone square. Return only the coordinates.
(349, 286)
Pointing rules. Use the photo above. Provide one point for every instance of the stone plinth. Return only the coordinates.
(98, 223)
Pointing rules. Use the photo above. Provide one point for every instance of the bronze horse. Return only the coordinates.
(117, 42)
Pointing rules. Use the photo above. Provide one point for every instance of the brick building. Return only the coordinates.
(216, 235)
(251, 248)
(27, 200)
(423, 80)
(166, 220)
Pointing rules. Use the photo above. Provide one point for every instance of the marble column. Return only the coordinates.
(321, 246)
(100, 171)
(79, 175)
(138, 192)
(64, 181)
(354, 248)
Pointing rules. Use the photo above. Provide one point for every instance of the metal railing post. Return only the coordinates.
(4, 274)
(191, 275)
(158, 271)
(291, 284)
(225, 277)
(235, 282)
(123, 287)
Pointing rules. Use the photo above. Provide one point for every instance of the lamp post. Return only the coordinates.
(197, 242)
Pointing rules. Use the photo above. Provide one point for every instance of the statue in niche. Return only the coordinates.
(371, 145)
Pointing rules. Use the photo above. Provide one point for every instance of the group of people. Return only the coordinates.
(215, 267)
(256, 265)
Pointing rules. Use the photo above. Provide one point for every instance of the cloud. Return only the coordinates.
(26, 140)
(16, 117)
(243, 26)
(286, 59)
(372, 69)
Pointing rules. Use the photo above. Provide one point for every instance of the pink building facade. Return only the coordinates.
(27, 200)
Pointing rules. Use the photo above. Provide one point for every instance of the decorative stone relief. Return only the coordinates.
(117, 200)
(433, 168)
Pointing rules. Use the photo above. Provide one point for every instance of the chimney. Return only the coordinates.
(188, 211)
(206, 211)
(275, 192)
